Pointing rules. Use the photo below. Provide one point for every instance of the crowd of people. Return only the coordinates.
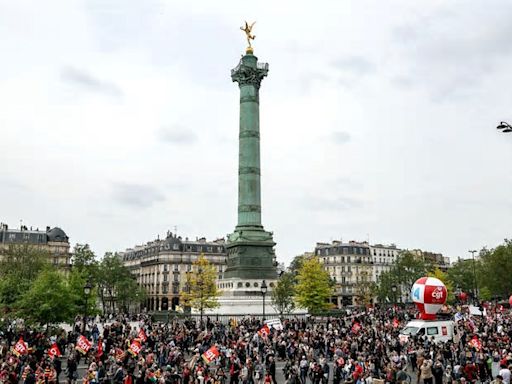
(362, 347)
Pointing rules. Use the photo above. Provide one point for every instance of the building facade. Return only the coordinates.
(53, 241)
(437, 260)
(349, 266)
(161, 266)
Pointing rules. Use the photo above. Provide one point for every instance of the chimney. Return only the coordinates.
(47, 228)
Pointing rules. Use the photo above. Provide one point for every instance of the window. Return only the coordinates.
(348, 259)
(431, 331)
(210, 249)
(166, 267)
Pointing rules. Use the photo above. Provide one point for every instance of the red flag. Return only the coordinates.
(356, 327)
(142, 335)
(54, 351)
(475, 343)
(210, 355)
(20, 348)
(135, 348)
(264, 331)
(119, 353)
(99, 353)
(82, 344)
(395, 323)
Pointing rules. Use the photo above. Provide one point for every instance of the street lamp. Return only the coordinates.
(393, 289)
(475, 295)
(263, 293)
(504, 127)
(87, 292)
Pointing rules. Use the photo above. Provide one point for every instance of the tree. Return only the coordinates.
(116, 285)
(406, 270)
(462, 275)
(365, 289)
(496, 269)
(313, 287)
(19, 267)
(48, 301)
(84, 260)
(443, 276)
(201, 291)
(282, 294)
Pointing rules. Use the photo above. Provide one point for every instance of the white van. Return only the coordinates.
(440, 330)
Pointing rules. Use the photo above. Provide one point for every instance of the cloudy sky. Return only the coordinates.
(119, 120)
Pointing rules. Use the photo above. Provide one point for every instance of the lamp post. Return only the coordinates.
(504, 127)
(393, 289)
(200, 271)
(87, 292)
(263, 293)
(475, 295)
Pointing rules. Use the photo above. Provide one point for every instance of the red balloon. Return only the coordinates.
(463, 296)
(510, 300)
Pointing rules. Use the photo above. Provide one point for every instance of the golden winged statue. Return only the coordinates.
(248, 29)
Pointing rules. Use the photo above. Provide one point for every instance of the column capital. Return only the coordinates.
(249, 71)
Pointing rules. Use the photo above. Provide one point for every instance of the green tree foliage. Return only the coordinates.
(364, 289)
(313, 287)
(84, 260)
(296, 264)
(495, 270)
(282, 294)
(445, 278)
(19, 267)
(461, 274)
(117, 287)
(48, 300)
(406, 270)
(201, 291)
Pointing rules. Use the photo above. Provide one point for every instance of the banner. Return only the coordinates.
(119, 354)
(135, 348)
(356, 327)
(20, 348)
(54, 351)
(142, 335)
(210, 355)
(274, 323)
(82, 344)
(264, 331)
(395, 323)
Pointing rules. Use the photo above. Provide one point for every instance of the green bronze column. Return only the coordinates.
(248, 74)
(250, 247)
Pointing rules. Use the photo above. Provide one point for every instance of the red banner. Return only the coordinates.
(356, 327)
(135, 348)
(142, 335)
(210, 355)
(54, 351)
(82, 344)
(119, 353)
(20, 348)
(395, 323)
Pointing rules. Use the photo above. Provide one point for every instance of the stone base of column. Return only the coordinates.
(250, 254)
